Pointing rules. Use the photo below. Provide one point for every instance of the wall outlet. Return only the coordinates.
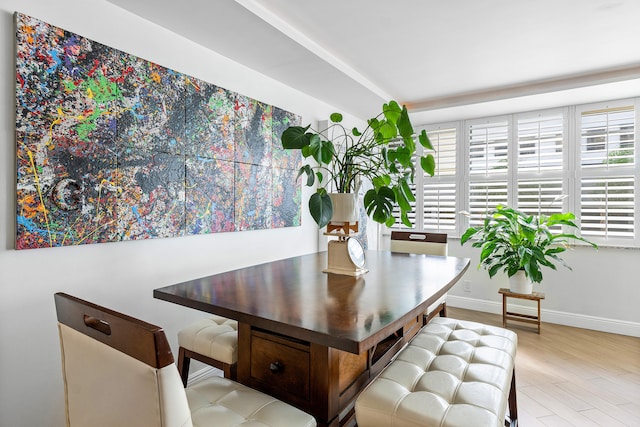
(466, 285)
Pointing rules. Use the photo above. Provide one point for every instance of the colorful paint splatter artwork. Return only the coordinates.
(112, 147)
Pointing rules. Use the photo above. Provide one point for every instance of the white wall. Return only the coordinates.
(119, 275)
(601, 292)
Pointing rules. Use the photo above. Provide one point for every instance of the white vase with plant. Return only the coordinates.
(381, 153)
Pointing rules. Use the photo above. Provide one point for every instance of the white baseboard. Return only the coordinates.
(602, 324)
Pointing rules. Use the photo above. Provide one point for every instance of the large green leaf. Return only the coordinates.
(295, 137)
(379, 204)
(320, 207)
(428, 164)
(406, 190)
(310, 176)
(381, 181)
(469, 233)
(403, 156)
(401, 199)
(404, 217)
(425, 141)
(392, 111)
(404, 124)
(387, 129)
(336, 117)
(321, 150)
(410, 143)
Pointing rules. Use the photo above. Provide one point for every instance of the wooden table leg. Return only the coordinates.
(504, 311)
(539, 318)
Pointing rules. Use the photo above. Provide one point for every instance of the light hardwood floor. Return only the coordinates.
(572, 377)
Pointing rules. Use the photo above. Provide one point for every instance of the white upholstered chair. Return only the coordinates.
(423, 243)
(119, 371)
(214, 341)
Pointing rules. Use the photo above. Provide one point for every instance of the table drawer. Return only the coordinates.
(412, 327)
(279, 365)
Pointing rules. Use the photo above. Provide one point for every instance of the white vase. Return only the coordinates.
(519, 283)
(345, 207)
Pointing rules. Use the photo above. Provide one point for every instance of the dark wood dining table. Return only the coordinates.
(315, 339)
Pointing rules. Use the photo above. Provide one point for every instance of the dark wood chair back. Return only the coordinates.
(419, 242)
(140, 340)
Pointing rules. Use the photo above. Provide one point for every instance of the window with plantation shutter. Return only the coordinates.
(439, 192)
(540, 162)
(483, 197)
(607, 138)
(537, 197)
(607, 207)
(488, 148)
(436, 203)
(608, 174)
(540, 141)
(488, 166)
(540, 197)
(579, 159)
(439, 213)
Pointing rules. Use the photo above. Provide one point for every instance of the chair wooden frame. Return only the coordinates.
(184, 361)
(136, 338)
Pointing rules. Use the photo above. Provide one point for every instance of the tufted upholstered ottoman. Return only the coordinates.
(213, 341)
(221, 402)
(452, 374)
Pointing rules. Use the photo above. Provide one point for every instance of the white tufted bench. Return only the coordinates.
(213, 341)
(222, 402)
(453, 373)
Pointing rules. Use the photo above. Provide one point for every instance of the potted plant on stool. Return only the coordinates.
(382, 154)
(521, 244)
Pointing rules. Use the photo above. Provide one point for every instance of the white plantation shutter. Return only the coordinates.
(540, 163)
(540, 196)
(607, 207)
(488, 148)
(608, 138)
(439, 213)
(483, 197)
(444, 142)
(488, 167)
(540, 141)
(439, 192)
(608, 174)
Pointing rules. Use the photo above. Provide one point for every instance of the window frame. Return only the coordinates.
(570, 174)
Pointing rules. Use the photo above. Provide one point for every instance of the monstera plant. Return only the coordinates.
(382, 154)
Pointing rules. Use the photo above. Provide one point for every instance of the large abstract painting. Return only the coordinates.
(112, 147)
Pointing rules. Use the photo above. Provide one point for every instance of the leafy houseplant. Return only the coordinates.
(381, 153)
(513, 241)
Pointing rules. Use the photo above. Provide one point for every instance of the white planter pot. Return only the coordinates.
(345, 207)
(519, 283)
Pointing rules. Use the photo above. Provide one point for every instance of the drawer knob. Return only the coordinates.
(275, 367)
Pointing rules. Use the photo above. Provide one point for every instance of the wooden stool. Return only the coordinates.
(533, 296)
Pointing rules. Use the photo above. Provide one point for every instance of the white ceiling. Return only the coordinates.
(429, 54)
